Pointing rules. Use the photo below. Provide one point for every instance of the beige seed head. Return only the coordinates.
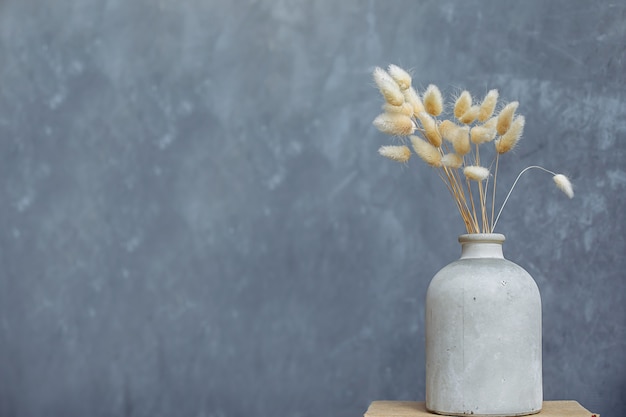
(452, 160)
(411, 97)
(448, 130)
(461, 141)
(395, 153)
(563, 183)
(470, 115)
(401, 77)
(433, 103)
(405, 109)
(382, 77)
(509, 140)
(462, 104)
(506, 117)
(388, 87)
(476, 173)
(430, 129)
(426, 151)
(481, 134)
(488, 105)
(394, 124)
(491, 123)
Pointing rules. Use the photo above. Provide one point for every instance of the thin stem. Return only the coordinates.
(471, 196)
(486, 221)
(493, 196)
(451, 181)
(477, 159)
(457, 179)
(513, 186)
(481, 195)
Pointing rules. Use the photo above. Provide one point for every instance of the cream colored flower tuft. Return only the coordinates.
(506, 117)
(481, 134)
(488, 105)
(394, 124)
(405, 109)
(448, 130)
(452, 160)
(430, 129)
(509, 140)
(476, 173)
(395, 153)
(411, 97)
(462, 104)
(461, 142)
(426, 151)
(388, 87)
(457, 135)
(563, 183)
(401, 77)
(470, 115)
(491, 123)
(433, 103)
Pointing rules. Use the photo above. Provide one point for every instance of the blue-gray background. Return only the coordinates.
(195, 220)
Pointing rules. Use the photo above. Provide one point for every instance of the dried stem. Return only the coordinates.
(513, 186)
(493, 197)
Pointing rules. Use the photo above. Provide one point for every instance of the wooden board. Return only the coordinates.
(418, 409)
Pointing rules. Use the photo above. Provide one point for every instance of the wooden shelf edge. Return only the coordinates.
(567, 408)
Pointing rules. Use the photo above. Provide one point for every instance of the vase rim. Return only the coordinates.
(482, 238)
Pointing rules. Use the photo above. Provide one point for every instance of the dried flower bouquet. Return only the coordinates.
(453, 147)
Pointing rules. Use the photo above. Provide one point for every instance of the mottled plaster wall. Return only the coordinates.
(194, 220)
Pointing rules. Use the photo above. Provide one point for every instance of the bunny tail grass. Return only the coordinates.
(563, 184)
(488, 105)
(395, 153)
(400, 76)
(396, 124)
(388, 87)
(462, 104)
(476, 173)
(560, 180)
(433, 102)
(426, 151)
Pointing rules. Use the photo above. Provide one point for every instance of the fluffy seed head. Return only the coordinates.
(563, 183)
(462, 104)
(452, 160)
(481, 134)
(491, 123)
(426, 151)
(506, 117)
(411, 97)
(448, 130)
(401, 77)
(509, 140)
(433, 103)
(461, 141)
(457, 135)
(405, 109)
(488, 105)
(430, 129)
(395, 153)
(394, 124)
(470, 115)
(476, 173)
(388, 87)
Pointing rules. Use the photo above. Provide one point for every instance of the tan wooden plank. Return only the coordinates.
(418, 409)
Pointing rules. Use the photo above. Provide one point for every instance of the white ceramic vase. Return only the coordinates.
(483, 334)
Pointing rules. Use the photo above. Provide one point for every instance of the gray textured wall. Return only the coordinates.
(195, 221)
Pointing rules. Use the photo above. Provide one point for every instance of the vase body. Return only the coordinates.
(483, 334)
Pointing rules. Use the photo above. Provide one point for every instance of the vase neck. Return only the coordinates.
(481, 245)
